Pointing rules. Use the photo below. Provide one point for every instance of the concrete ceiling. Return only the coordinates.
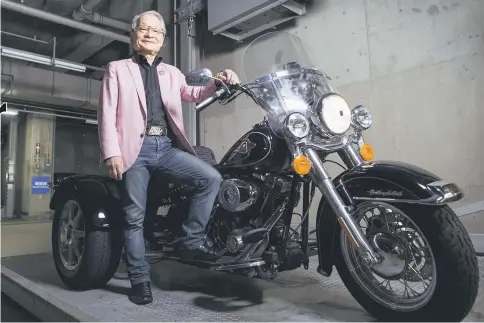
(72, 44)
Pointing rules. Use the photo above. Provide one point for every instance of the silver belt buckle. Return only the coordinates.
(155, 131)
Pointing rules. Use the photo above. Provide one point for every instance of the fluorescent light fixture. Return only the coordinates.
(10, 112)
(70, 66)
(26, 56)
(90, 121)
(41, 59)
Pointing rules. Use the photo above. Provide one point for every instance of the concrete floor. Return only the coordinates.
(474, 223)
(25, 238)
(184, 293)
(296, 296)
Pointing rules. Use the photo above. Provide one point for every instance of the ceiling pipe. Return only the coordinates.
(85, 12)
(26, 10)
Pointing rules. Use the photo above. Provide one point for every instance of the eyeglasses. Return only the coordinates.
(157, 32)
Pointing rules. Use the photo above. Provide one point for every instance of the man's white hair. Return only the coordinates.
(135, 22)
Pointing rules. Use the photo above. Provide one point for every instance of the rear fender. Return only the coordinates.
(98, 195)
(379, 181)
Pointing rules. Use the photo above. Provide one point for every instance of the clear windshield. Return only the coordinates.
(284, 80)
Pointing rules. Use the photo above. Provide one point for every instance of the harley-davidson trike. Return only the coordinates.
(386, 226)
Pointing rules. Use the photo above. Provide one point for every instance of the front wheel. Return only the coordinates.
(84, 257)
(430, 270)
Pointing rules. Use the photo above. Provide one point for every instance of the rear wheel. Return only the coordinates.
(84, 256)
(430, 271)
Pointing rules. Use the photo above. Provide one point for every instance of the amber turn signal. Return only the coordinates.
(301, 165)
(366, 152)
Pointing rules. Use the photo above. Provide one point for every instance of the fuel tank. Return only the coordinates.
(258, 149)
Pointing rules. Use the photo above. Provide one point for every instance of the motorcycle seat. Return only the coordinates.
(206, 154)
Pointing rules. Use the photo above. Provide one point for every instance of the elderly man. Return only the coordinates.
(140, 130)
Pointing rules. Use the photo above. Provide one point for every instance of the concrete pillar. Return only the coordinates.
(37, 166)
(189, 59)
(9, 161)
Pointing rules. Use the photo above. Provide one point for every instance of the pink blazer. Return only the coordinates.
(122, 107)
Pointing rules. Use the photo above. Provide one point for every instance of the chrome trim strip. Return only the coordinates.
(446, 192)
(329, 147)
(238, 266)
(283, 73)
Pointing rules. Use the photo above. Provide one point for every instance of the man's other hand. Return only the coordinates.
(115, 167)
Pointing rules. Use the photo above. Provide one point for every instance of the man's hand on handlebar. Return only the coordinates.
(228, 77)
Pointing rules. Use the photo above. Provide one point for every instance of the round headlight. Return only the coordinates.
(361, 117)
(335, 114)
(297, 125)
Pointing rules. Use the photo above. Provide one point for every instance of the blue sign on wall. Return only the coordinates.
(40, 184)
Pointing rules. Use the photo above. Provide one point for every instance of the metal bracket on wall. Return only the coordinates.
(188, 12)
(270, 25)
(295, 7)
(257, 19)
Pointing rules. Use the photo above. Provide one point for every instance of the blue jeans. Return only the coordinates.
(179, 167)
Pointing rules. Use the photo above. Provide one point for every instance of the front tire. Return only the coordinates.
(85, 257)
(456, 274)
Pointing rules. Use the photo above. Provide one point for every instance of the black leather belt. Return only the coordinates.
(156, 131)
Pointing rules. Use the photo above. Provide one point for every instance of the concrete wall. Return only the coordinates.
(38, 130)
(418, 65)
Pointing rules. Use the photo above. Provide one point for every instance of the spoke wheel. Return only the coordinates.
(405, 280)
(71, 235)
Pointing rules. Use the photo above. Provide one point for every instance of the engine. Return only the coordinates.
(245, 204)
(236, 195)
(234, 240)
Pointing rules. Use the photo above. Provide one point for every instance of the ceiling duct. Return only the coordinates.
(241, 19)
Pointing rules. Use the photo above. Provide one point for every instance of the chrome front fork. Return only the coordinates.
(321, 178)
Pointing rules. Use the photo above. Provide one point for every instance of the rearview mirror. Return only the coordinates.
(198, 77)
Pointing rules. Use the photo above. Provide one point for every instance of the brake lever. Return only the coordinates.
(228, 96)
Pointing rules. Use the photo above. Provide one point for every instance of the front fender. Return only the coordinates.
(395, 182)
(98, 195)
(384, 181)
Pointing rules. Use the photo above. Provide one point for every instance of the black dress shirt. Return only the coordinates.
(156, 114)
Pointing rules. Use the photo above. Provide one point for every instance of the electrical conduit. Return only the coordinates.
(85, 12)
(26, 10)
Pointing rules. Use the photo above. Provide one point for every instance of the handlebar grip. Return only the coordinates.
(211, 99)
(205, 103)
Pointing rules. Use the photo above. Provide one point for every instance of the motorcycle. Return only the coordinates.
(386, 226)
